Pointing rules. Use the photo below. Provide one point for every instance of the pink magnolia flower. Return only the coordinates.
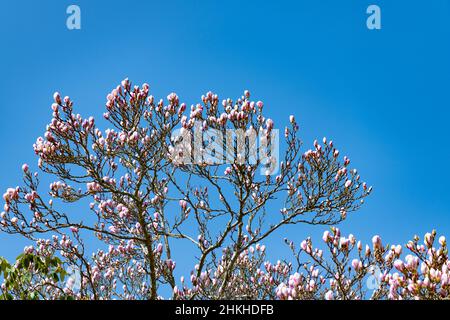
(183, 204)
(399, 265)
(356, 264)
(269, 124)
(57, 97)
(326, 236)
(292, 119)
(304, 245)
(376, 241)
(336, 153)
(112, 229)
(259, 104)
(398, 249)
(329, 295)
(428, 239)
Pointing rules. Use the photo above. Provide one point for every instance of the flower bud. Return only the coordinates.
(376, 241)
(329, 295)
(292, 119)
(428, 239)
(57, 97)
(269, 124)
(356, 264)
(326, 236)
(398, 264)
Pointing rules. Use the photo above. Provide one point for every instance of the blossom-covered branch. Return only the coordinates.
(143, 188)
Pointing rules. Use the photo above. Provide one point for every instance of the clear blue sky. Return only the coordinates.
(382, 96)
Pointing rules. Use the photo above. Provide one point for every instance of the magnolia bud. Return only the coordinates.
(292, 119)
(57, 97)
(376, 241)
(398, 264)
(356, 264)
(329, 295)
(25, 168)
(326, 236)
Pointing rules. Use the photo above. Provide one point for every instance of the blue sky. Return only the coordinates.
(382, 95)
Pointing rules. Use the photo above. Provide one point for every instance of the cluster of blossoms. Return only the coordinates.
(147, 189)
(251, 278)
(346, 269)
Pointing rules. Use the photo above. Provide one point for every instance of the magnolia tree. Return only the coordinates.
(211, 178)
